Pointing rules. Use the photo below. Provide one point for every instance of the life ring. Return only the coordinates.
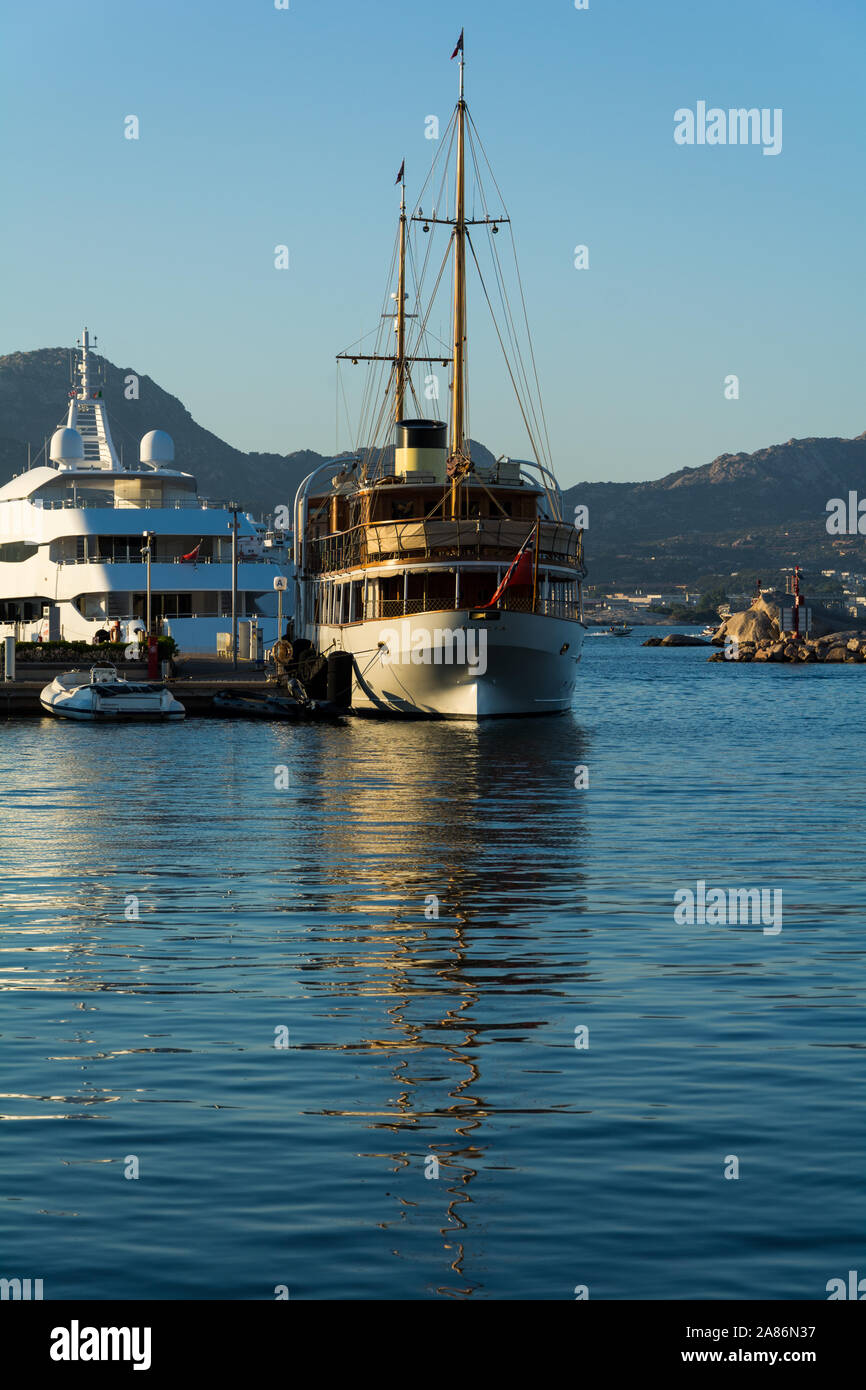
(283, 651)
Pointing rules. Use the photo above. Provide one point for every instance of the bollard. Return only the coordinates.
(9, 658)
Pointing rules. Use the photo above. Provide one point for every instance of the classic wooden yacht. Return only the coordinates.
(455, 587)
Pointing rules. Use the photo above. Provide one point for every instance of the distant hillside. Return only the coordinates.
(740, 512)
(748, 512)
(33, 392)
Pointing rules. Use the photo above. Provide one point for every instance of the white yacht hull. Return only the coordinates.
(447, 665)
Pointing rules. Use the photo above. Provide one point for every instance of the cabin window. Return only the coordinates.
(138, 492)
(15, 551)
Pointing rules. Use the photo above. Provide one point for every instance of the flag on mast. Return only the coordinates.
(402, 172)
(459, 48)
(518, 572)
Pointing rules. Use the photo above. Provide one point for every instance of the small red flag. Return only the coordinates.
(459, 48)
(519, 572)
(193, 554)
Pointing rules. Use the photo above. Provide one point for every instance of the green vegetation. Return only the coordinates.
(113, 652)
(712, 600)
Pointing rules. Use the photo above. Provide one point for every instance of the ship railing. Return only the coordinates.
(387, 608)
(81, 502)
(168, 560)
(473, 538)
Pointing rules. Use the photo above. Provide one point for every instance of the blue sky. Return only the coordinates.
(260, 126)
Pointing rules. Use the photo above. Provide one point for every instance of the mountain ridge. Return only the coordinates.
(768, 506)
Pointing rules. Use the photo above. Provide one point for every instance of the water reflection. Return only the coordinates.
(435, 844)
(396, 896)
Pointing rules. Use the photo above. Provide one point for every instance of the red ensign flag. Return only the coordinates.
(519, 572)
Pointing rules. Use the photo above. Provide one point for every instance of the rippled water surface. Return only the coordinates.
(417, 1040)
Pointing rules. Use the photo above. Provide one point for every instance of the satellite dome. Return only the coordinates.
(156, 447)
(66, 446)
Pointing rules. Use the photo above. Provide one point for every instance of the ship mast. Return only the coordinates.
(401, 306)
(458, 403)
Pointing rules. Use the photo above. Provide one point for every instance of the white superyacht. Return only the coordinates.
(80, 531)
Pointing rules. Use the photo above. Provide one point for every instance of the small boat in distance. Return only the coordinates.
(619, 630)
(102, 695)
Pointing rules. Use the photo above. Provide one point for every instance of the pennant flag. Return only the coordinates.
(518, 572)
(402, 172)
(193, 555)
(459, 48)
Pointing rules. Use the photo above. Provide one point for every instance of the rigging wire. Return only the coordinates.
(522, 295)
(374, 420)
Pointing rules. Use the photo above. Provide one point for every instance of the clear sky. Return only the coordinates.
(261, 126)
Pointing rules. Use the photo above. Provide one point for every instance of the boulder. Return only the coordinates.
(836, 653)
(761, 621)
(836, 639)
(756, 624)
(652, 642)
(680, 639)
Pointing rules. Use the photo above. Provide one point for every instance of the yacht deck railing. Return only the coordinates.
(473, 538)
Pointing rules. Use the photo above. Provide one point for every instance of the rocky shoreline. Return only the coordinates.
(756, 635)
(838, 646)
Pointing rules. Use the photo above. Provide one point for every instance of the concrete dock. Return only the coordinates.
(195, 685)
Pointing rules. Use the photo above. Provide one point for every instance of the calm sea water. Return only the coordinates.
(307, 915)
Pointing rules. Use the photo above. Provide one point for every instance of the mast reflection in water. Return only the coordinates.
(443, 839)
